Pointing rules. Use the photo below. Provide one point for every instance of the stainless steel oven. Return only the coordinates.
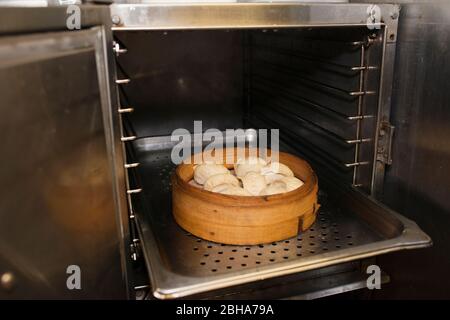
(87, 144)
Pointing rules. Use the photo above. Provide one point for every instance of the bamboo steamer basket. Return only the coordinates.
(241, 220)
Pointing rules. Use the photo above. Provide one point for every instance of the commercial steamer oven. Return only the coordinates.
(87, 142)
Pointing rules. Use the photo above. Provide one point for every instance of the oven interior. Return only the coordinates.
(318, 86)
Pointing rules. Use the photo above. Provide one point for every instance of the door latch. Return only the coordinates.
(384, 148)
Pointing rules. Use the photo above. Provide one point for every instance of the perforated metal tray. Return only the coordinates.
(180, 264)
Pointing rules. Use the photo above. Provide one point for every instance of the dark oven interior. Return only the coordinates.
(318, 86)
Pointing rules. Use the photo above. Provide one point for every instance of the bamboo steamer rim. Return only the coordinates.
(185, 172)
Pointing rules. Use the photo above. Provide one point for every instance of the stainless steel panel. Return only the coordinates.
(241, 15)
(180, 264)
(177, 77)
(417, 182)
(15, 20)
(313, 284)
(58, 202)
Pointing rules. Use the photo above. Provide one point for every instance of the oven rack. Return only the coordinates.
(180, 264)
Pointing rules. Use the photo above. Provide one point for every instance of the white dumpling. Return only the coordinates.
(273, 177)
(292, 183)
(203, 171)
(218, 179)
(230, 189)
(277, 168)
(254, 182)
(250, 164)
(274, 188)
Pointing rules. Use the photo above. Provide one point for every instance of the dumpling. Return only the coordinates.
(250, 164)
(203, 171)
(272, 177)
(230, 189)
(222, 178)
(278, 168)
(274, 188)
(253, 182)
(292, 183)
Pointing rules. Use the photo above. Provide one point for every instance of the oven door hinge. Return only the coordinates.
(384, 148)
(135, 250)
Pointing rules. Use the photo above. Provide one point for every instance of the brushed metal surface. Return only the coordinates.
(181, 264)
(417, 183)
(57, 195)
(242, 15)
(178, 77)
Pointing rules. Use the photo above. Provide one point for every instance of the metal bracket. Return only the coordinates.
(135, 250)
(384, 149)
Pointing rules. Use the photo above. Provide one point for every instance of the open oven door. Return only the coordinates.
(61, 230)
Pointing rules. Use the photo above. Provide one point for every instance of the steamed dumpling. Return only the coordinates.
(230, 189)
(203, 171)
(250, 164)
(277, 168)
(272, 177)
(254, 182)
(292, 183)
(218, 179)
(274, 188)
